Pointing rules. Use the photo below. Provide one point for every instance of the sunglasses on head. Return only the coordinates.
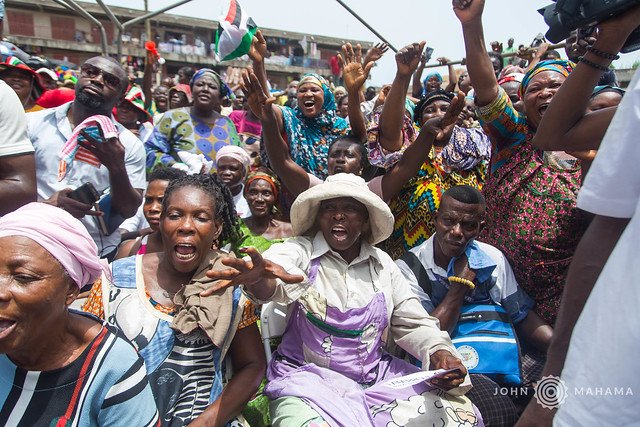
(91, 71)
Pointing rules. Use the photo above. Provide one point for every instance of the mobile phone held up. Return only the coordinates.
(93, 132)
(86, 194)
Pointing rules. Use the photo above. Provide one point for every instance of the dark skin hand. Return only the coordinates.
(391, 118)
(448, 311)
(258, 275)
(124, 198)
(435, 129)
(442, 359)
(354, 75)
(565, 126)
(74, 207)
(375, 53)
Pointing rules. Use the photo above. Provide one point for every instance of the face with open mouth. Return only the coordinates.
(34, 293)
(189, 227)
(537, 97)
(310, 99)
(342, 222)
(345, 157)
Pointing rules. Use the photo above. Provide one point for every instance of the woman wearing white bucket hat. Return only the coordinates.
(346, 300)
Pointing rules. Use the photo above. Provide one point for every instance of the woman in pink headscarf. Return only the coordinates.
(59, 366)
(233, 166)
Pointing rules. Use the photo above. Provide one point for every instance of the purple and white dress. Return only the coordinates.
(333, 357)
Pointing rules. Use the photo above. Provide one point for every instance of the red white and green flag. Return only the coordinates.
(235, 33)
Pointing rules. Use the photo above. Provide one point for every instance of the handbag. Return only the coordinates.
(486, 340)
(484, 335)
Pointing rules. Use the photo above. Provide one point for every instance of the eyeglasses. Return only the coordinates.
(91, 71)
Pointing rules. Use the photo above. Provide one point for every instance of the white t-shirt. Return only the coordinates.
(137, 222)
(602, 369)
(48, 130)
(241, 205)
(13, 124)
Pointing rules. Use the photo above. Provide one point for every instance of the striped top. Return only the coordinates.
(105, 385)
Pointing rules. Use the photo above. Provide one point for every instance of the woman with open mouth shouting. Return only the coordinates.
(155, 300)
(59, 366)
(346, 299)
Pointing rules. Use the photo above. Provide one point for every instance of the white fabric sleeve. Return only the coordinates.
(13, 124)
(612, 186)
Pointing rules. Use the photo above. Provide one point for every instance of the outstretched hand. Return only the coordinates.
(354, 73)
(441, 127)
(468, 10)
(408, 58)
(259, 103)
(376, 52)
(254, 275)
(258, 50)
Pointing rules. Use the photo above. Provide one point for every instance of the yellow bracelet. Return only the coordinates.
(462, 281)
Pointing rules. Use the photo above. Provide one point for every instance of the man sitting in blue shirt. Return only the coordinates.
(453, 251)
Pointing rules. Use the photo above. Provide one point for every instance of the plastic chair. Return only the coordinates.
(273, 322)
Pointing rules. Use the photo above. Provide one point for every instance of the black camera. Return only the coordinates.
(564, 16)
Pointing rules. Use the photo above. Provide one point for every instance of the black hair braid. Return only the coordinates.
(163, 173)
(224, 205)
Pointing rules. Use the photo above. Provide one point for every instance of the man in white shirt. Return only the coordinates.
(17, 164)
(121, 173)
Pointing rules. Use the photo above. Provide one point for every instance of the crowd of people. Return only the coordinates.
(438, 252)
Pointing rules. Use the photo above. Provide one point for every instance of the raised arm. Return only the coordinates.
(453, 77)
(257, 53)
(147, 79)
(479, 66)
(416, 88)
(292, 175)
(439, 128)
(565, 126)
(391, 119)
(354, 75)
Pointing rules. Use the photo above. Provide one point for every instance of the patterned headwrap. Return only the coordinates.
(224, 89)
(436, 95)
(309, 137)
(559, 66)
(135, 97)
(606, 88)
(60, 234)
(273, 182)
(432, 74)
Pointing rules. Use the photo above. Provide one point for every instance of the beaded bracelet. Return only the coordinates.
(462, 281)
(603, 54)
(593, 64)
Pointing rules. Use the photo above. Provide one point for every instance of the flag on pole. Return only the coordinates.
(235, 33)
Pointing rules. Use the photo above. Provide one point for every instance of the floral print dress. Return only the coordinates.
(531, 206)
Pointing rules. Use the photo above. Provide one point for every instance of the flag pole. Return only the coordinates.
(366, 25)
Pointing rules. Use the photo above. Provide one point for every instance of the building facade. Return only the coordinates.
(47, 28)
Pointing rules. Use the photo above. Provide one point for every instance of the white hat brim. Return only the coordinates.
(305, 208)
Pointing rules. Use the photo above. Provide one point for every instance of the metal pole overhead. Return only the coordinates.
(367, 25)
(70, 4)
(152, 14)
(117, 23)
